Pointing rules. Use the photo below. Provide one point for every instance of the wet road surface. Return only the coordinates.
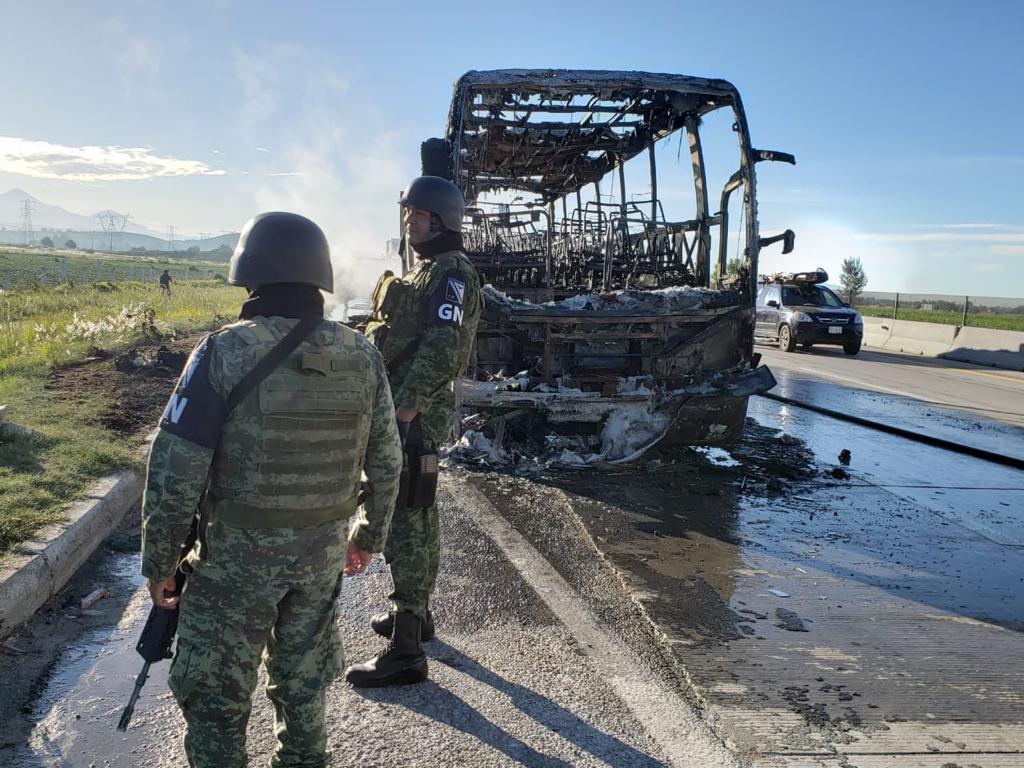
(860, 616)
(973, 405)
(871, 620)
(511, 684)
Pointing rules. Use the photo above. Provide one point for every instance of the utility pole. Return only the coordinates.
(27, 235)
(112, 223)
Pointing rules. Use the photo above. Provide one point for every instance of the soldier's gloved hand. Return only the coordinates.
(356, 559)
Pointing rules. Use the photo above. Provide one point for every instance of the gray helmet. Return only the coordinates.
(437, 195)
(281, 247)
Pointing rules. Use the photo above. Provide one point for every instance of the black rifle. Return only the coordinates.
(161, 625)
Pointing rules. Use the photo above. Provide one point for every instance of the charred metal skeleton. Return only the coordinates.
(603, 304)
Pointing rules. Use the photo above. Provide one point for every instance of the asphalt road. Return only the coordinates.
(866, 616)
(523, 673)
(964, 403)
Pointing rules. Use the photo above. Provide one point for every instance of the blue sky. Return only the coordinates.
(906, 117)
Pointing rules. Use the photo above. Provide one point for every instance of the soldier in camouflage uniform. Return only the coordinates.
(276, 480)
(424, 324)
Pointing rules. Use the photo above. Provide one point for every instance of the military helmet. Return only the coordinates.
(437, 195)
(280, 247)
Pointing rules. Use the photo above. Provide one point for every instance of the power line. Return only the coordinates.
(113, 223)
(27, 235)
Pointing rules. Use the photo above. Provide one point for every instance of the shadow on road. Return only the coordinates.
(444, 706)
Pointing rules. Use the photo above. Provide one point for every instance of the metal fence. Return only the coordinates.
(24, 273)
(979, 311)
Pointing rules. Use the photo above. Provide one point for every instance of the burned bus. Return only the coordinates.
(608, 317)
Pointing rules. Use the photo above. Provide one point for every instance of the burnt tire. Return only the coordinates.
(786, 341)
(852, 348)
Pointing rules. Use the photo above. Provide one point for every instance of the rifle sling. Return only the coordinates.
(271, 360)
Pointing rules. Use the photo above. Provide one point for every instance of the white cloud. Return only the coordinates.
(965, 226)
(1007, 250)
(940, 237)
(44, 160)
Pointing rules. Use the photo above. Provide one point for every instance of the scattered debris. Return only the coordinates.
(94, 597)
(775, 485)
(779, 593)
(844, 457)
(787, 439)
(839, 473)
(718, 456)
(789, 620)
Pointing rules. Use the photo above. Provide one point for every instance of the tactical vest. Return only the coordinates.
(400, 312)
(291, 454)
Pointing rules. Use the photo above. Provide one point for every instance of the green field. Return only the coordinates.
(1003, 322)
(70, 449)
(32, 268)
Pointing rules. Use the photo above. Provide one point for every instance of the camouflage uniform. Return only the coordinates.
(433, 313)
(283, 470)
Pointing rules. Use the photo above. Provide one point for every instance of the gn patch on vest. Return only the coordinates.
(446, 304)
(456, 291)
(195, 411)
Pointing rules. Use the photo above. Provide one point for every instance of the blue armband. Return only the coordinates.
(447, 303)
(196, 412)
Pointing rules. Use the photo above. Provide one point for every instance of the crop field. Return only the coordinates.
(30, 268)
(52, 341)
(996, 320)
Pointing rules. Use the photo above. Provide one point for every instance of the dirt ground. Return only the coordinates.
(134, 384)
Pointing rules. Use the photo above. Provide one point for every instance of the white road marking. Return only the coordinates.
(671, 722)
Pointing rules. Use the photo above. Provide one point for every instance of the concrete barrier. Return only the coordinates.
(985, 346)
(876, 331)
(918, 338)
(40, 567)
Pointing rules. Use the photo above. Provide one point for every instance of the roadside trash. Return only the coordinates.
(94, 597)
(139, 361)
(779, 593)
(839, 473)
(787, 439)
(844, 457)
(789, 621)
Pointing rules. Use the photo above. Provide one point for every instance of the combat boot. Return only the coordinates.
(384, 624)
(402, 661)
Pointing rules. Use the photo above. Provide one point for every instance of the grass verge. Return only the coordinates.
(997, 321)
(70, 449)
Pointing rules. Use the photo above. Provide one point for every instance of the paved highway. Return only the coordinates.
(968, 404)
(987, 392)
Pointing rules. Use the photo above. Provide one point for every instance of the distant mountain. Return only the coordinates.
(123, 241)
(86, 229)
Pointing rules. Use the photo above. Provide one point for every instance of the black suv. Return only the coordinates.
(797, 309)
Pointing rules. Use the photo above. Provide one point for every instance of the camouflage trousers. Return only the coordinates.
(413, 551)
(259, 594)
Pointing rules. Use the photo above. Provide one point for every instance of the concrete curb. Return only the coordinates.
(41, 566)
